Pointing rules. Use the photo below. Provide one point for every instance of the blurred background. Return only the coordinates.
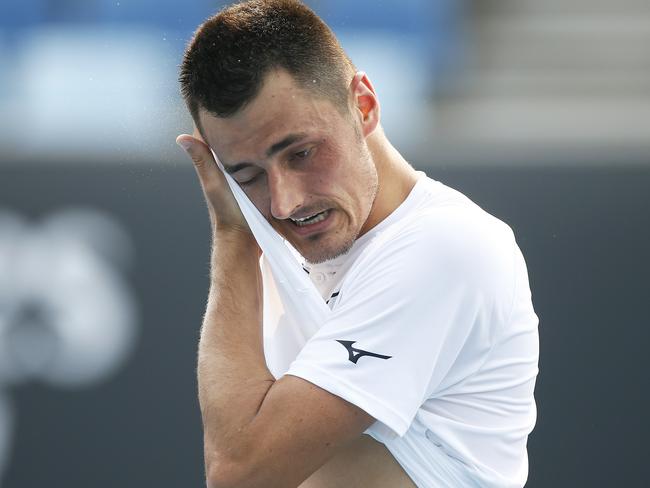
(537, 110)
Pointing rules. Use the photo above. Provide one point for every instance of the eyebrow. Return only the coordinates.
(284, 143)
(236, 167)
(274, 149)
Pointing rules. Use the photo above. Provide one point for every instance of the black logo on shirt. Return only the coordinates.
(355, 354)
(334, 295)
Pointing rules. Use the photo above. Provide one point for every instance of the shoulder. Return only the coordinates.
(453, 234)
(447, 248)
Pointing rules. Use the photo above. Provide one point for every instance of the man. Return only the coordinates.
(424, 374)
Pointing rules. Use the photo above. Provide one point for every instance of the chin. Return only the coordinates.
(318, 248)
(317, 252)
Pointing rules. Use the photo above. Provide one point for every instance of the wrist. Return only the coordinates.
(239, 240)
(233, 234)
(235, 252)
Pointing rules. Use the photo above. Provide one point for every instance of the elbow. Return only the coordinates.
(218, 477)
(236, 466)
(224, 474)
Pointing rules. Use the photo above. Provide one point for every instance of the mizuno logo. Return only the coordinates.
(354, 354)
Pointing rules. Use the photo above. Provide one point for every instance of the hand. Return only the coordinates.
(224, 211)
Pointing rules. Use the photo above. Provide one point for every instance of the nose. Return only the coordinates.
(285, 193)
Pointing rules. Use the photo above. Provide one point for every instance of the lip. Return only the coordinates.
(314, 228)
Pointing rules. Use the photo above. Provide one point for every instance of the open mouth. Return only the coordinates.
(312, 219)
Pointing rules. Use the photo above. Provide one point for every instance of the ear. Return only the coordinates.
(365, 102)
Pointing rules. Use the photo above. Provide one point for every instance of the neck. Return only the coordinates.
(396, 178)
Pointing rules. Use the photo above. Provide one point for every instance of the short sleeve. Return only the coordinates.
(411, 303)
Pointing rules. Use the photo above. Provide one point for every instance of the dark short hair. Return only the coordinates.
(230, 54)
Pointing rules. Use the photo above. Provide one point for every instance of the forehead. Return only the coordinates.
(281, 107)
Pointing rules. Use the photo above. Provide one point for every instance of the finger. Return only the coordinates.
(202, 157)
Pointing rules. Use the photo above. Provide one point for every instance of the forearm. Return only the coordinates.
(233, 377)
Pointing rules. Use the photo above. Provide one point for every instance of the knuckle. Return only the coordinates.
(198, 161)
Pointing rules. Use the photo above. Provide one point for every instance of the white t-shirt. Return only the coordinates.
(433, 333)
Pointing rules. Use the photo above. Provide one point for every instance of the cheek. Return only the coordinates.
(331, 168)
(259, 197)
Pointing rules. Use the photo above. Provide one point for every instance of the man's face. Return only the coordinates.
(297, 157)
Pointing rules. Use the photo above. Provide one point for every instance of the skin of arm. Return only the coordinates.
(258, 432)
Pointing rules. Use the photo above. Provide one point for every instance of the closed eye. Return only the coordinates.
(301, 154)
(250, 181)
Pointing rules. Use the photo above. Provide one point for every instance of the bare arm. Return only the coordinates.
(232, 375)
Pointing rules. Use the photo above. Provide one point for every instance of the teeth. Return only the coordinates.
(319, 217)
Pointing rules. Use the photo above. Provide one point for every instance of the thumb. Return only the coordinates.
(221, 202)
(201, 156)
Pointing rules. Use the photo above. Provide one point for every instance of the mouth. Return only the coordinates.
(312, 223)
(311, 219)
